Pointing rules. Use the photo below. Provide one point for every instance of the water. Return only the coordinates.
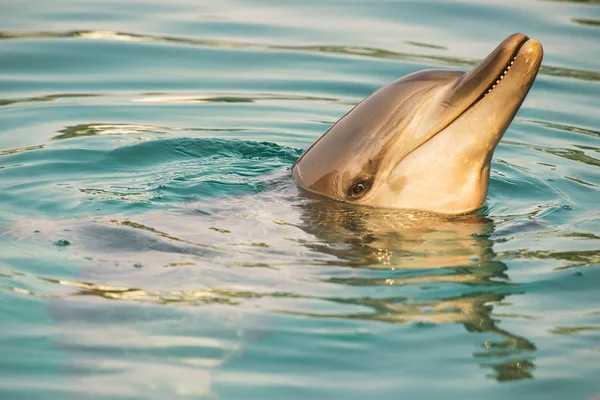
(152, 244)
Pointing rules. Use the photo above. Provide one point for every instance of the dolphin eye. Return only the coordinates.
(358, 188)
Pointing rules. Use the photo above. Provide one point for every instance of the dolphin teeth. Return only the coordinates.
(502, 75)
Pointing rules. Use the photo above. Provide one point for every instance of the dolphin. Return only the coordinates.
(424, 141)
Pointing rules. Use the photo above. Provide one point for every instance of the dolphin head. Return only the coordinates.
(424, 141)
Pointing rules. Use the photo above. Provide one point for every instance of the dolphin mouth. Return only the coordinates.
(487, 76)
(498, 79)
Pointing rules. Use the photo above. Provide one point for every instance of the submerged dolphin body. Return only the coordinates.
(424, 141)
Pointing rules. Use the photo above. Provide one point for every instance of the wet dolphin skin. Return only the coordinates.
(424, 141)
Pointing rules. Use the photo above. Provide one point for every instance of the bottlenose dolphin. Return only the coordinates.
(424, 141)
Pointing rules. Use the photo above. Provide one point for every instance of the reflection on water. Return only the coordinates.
(576, 1)
(254, 98)
(52, 97)
(447, 251)
(581, 258)
(20, 150)
(568, 128)
(569, 154)
(92, 129)
(363, 249)
(586, 21)
(426, 45)
(449, 61)
(105, 129)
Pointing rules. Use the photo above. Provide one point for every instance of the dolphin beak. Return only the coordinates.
(477, 83)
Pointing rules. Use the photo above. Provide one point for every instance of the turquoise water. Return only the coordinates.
(152, 244)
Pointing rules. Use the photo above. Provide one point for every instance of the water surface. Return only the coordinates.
(152, 244)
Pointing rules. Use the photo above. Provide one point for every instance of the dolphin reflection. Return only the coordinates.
(433, 269)
(419, 248)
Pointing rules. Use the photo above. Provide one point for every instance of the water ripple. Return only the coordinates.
(154, 245)
(370, 52)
